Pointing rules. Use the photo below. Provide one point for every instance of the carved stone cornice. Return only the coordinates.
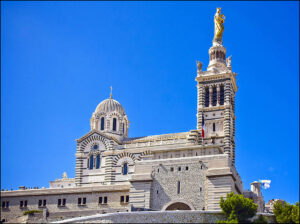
(153, 138)
(59, 191)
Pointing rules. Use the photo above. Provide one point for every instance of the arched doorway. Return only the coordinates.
(178, 206)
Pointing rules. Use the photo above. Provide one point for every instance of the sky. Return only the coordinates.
(59, 59)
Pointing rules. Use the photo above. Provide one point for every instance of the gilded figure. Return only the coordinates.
(219, 27)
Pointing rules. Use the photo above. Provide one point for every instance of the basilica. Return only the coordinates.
(178, 171)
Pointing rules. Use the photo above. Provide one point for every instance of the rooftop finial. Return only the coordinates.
(111, 92)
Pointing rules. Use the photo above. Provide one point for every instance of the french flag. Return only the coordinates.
(203, 126)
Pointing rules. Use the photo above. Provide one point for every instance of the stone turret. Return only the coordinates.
(256, 195)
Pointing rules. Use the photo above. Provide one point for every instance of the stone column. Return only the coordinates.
(109, 177)
(79, 166)
(227, 119)
(200, 105)
(233, 132)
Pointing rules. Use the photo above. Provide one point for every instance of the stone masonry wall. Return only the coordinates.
(192, 184)
(15, 211)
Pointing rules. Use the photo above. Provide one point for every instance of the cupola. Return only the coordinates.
(110, 118)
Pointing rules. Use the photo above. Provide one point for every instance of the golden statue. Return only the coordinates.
(219, 27)
(64, 176)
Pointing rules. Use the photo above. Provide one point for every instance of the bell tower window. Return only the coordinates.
(214, 103)
(114, 124)
(102, 123)
(206, 97)
(221, 95)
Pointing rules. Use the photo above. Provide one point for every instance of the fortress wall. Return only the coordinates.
(157, 217)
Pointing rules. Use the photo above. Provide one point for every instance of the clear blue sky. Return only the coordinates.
(58, 60)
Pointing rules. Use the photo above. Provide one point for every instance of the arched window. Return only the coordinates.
(214, 103)
(221, 95)
(125, 169)
(114, 124)
(123, 128)
(98, 161)
(102, 123)
(91, 162)
(206, 96)
(214, 127)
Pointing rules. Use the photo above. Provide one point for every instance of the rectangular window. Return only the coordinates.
(5, 204)
(64, 202)
(127, 198)
(172, 169)
(122, 199)
(42, 203)
(200, 189)
(178, 187)
(84, 201)
(179, 168)
(100, 200)
(79, 201)
(105, 200)
(186, 168)
(25, 203)
(206, 97)
(59, 202)
(21, 204)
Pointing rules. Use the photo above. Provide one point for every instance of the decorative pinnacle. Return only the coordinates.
(111, 92)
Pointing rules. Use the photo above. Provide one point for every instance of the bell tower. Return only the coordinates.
(216, 89)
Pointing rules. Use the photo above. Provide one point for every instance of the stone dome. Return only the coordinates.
(109, 105)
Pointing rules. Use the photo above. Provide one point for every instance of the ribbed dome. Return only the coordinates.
(110, 105)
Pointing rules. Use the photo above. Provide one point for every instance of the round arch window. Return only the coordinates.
(95, 147)
(125, 169)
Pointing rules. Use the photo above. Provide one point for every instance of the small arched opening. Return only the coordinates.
(178, 206)
(114, 124)
(102, 124)
(125, 169)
